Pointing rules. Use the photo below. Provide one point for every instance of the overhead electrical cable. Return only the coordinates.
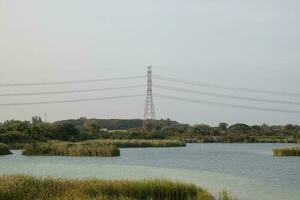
(69, 82)
(69, 91)
(70, 101)
(225, 95)
(227, 104)
(226, 87)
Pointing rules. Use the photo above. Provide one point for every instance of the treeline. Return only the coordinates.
(14, 132)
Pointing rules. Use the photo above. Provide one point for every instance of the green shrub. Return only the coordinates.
(4, 149)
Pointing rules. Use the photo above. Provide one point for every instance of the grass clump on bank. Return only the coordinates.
(71, 149)
(121, 143)
(294, 151)
(19, 187)
(4, 149)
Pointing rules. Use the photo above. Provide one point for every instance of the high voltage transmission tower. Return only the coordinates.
(149, 113)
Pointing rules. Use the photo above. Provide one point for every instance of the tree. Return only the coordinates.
(240, 128)
(202, 129)
(65, 131)
(36, 120)
(91, 127)
(223, 126)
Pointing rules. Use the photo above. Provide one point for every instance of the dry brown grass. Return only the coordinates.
(71, 149)
(294, 151)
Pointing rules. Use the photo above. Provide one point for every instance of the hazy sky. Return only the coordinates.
(250, 43)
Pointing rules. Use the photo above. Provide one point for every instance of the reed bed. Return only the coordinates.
(4, 149)
(94, 147)
(71, 149)
(121, 143)
(20, 187)
(294, 151)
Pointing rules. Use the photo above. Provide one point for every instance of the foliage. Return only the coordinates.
(15, 137)
(4, 149)
(20, 187)
(14, 132)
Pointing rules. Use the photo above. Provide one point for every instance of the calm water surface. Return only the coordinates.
(249, 171)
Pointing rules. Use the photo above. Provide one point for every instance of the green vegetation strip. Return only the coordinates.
(294, 151)
(121, 143)
(94, 147)
(4, 149)
(20, 187)
(71, 149)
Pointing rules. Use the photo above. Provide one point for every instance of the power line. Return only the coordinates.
(70, 82)
(226, 96)
(227, 104)
(226, 87)
(69, 91)
(69, 101)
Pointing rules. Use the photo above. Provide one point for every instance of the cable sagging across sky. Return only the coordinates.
(69, 91)
(233, 88)
(227, 104)
(70, 82)
(213, 94)
(70, 101)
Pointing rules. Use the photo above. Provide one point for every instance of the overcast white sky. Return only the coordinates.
(250, 43)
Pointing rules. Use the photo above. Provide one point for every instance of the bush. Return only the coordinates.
(15, 137)
(4, 149)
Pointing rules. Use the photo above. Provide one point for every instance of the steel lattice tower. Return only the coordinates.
(149, 113)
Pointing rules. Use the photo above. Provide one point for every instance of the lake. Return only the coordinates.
(248, 171)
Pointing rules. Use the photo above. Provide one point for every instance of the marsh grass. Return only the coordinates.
(294, 151)
(94, 147)
(71, 149)
(121, 143)
(4, 149)
(224, 195)
(20, 187)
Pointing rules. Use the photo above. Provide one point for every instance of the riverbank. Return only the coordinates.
(19, 133)
(20, 187)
